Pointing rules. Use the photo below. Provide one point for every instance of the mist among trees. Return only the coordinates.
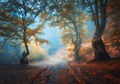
(88, 33)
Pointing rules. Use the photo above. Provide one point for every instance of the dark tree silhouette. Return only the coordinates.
(98, 10)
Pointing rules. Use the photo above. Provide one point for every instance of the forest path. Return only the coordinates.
(76, 73)
(106, 72)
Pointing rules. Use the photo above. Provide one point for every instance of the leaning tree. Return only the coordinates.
(21, 14)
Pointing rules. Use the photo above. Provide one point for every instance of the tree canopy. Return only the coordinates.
(20, 14)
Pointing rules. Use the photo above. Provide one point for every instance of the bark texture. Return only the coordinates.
(76, 51)
(99, 49)
(99, 16)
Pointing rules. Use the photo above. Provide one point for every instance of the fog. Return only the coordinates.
(9, 53)
(54, 52)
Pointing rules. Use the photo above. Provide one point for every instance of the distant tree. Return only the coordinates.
(22, 13)
(70, 19)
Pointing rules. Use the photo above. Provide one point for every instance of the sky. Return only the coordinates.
(51, 34)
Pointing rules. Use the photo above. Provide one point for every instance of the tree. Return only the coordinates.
(70, 19)
(25, 12)
(98, 11)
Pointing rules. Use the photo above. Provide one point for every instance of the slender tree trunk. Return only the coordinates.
(76, 55)
(76, 51)
(24, 59)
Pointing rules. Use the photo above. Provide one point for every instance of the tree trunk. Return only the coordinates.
(99, 49)
(76, 51)
(24, 59)
(76, 55)
(100, 15)
(98, 45)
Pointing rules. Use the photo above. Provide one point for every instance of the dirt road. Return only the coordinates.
(75, 73)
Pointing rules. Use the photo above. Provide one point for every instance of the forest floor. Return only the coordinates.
(105, 72)
(17, 74)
